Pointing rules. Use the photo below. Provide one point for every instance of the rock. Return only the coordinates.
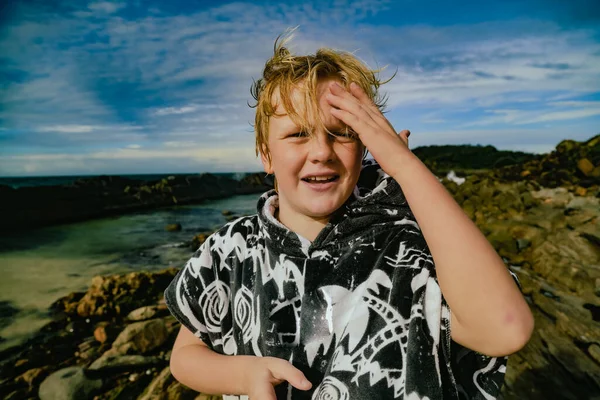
(142, 313)
(523, 244)
(141, 337)
(88, 349)
(18, 363)
(561, 260)
(226, 213)
(580, 191)
(113, 361)
(503, 242)
(165, 387)
(594, 352)
(67, 302)
(119, 294)
(198, 240)
(528, 200)
(585, 166)
(32, 377)
(566, 146)
(173, 228)
(572, 163)
(69, 384)
(105, 332)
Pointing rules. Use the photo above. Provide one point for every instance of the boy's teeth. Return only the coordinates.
(319, 178)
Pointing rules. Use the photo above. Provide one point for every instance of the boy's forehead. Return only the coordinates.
(297, 98)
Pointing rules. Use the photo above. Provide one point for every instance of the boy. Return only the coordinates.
(331, 286)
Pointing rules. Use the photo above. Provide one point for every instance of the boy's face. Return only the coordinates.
(296, 159)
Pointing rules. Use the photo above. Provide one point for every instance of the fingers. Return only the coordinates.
(342, 99)
(284, 370)
(356, 118)
(350, 119)
(357, 103)
(373, 110)
(362, 96)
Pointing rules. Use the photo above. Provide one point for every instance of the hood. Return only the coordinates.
(377, 200)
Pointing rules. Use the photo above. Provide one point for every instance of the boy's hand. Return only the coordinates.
(354, 108)
(269, 372)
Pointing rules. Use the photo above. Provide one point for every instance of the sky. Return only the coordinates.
(164, 86)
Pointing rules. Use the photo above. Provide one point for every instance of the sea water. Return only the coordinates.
(38, 267)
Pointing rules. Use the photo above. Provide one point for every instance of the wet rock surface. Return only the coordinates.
(114, 341)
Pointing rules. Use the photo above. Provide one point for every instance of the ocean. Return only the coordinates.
(42, 265)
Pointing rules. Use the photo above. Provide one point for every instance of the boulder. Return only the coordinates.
(69, 383)
(117, 295)
(112, 361)
(141, 337)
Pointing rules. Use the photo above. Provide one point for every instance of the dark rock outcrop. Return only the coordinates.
(30, 207)
(572, 164)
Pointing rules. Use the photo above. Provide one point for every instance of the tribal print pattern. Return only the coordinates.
(359, 310)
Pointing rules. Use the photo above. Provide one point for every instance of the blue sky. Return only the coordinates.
(164, 86)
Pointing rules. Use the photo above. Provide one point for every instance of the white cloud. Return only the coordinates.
(199, 158)
(179, 144)
(521, 117)
(105, 7)
(182, 80)
(563, 115)
(175, 110)
(68, 128)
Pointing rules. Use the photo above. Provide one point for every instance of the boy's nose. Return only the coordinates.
(321, 149)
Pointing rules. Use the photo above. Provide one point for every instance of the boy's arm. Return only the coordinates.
(205, 371)
(198, 367)
(489, 313)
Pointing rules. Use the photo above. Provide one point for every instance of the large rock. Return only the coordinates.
(165, 387)
(69, 383)
(117, 295)
(570, 165)
(111, 360)
(141, 337)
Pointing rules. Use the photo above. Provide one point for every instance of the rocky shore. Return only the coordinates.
(31, 207)
(542, 216)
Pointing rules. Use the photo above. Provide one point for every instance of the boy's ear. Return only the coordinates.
(267, 165)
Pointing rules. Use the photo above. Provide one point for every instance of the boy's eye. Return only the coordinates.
(298, 134)
(350, 135)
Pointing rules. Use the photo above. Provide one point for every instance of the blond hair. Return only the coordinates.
(285, 70)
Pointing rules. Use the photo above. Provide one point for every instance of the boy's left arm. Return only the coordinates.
(489, 313)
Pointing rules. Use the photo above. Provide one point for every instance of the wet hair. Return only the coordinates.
(287, 71)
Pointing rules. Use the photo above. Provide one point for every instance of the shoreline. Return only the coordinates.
(27, 208)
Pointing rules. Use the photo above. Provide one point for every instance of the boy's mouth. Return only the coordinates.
(321, 179)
